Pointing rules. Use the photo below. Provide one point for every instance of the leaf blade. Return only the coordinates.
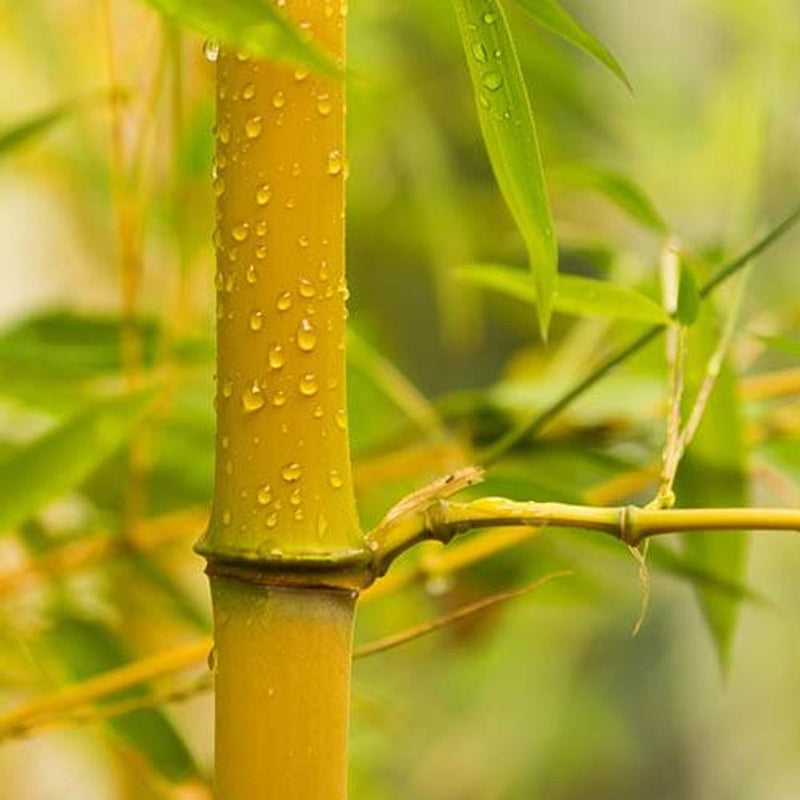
(253, 26)
(575, 295)
(553, 16)
(509, 133)
(62, 458)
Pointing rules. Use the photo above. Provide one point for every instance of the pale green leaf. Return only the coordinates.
(255, 27)
(61, 459)
(621, 190)
(713, 474)
(782, 344)
(575, 295)
(556, 18)
(509, 132)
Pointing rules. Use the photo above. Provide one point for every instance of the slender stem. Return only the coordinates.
(541, 419)
(441, 520)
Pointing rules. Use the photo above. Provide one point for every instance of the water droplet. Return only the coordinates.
(300, 74)
(324, 272)
(302, 240)
(261, 252)
(275, 356)
(479, 52)
(292, 472)
(306, 336)
(298, 515)
(335, 479)
(227, 388)
(324, 105)
(279, 398)
(308, 385)
(307, 288)
(341, 419)
(225, 442)
(335, 163)
(240, 231)
(492, 81)
(219, 187)
(250, 275)
(437, 585)
(263, 195)
(224, 133)
(252, 398)
(249, 91)
(256, 321)
(490, 18)
(279, 99)
(294, 498)
(264, 495)
(272, 520)
(319, 412)
(296, 169)
(211, 50)
(261, 227)
(226, 517)
(322, 526)
(253, 127)
(284, 301)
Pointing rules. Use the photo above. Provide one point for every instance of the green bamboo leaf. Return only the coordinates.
(782, 344)
(713, 474)
(688, 296)
(83, 649)
(556, 18)
(621, 190)
(61, 459)
(576, 296)
(28, 130)
(509, 132)
(255, 27)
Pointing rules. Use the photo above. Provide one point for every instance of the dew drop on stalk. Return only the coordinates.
(341, 419)
(252, 398)
(261, 227)
(279, 99)
(302, 240)
(284, 301)
(335, 479)
(263, 194)
(250, 275)
(227, 388)
(319, 412)
(256, 321)
(224, 133)
(307, 289)
(300, 74)
(264, 495)
(308, 385)
(295, 497)
(261, 252)
(226, 517)
(272, 520)
(490, 17)
(322, 526)
(240, 231)
(275, 356)
(292, 472)
(279, 398)
(306, 336)
(324, 104)
(253, 127)
(298, 515)
(211, 50)
(249, 91)
(219, 187)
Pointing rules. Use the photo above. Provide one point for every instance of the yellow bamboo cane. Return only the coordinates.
(284, 548)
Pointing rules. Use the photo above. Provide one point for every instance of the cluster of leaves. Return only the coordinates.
(70, 431)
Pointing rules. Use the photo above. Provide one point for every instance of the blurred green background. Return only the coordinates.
(549, 697)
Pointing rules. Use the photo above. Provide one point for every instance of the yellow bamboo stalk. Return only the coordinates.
(284, 547)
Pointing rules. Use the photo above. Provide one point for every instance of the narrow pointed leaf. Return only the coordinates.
(255, 27)
(621, 190)
(61, 459)
(576, 296)
(556, 18)
(84, 649)
(712, 474)
(509, 132)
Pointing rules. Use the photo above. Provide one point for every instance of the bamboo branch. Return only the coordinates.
(441, 520)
